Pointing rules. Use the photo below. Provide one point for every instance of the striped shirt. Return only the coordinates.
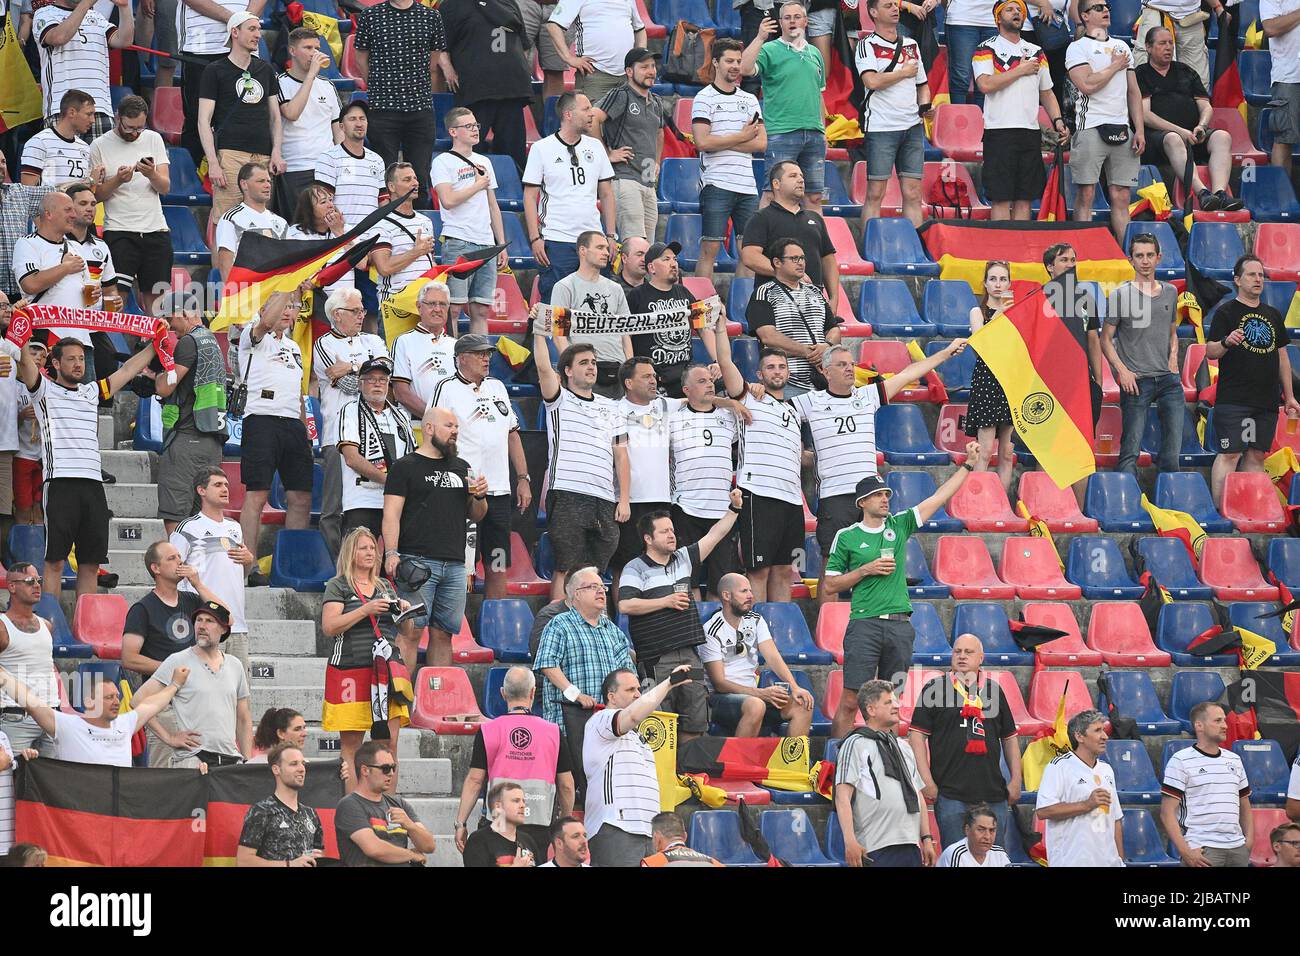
(700, 468)
(844, 435)
(330, 348)
(726, 113)
(647, 447)
(770, 449)
(79, 64)
(393, 433)
(99, 263)
(801, 314)
(240, 219)
(69, 421)
(959, 854)
(667, 629)
(18, 204)
(356, 180)
(622, 784)
(586, 653)
(202, 34)
(581, 434)
(1209, 788)
(55, 159)
(398, 233)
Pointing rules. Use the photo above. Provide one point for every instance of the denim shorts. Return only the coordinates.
(901, 149)
(807, 147)
(718, 205)
(443, 594)
(821, 23)
(480, 285)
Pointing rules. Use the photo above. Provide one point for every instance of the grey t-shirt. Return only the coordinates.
(633, 122)
(1143, 327)
(207, 701)
(880, 817)
(355, 812)
(604, 297)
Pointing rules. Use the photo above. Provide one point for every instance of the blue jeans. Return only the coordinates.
(564, 262)
(718, 206)
(896, 150)
(807, 147)
(443, 594)
(962, 42)
(1166, 391)
(950, 815)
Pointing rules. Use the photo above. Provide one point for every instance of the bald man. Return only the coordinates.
(50, 272)
(428, 498)
(959, 720)
(631, 274)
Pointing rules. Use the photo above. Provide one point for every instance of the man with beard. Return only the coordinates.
(630, 120)
(278, 829)
(670, 352)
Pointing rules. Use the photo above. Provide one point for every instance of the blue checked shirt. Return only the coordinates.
(585, 654)
(18, 204)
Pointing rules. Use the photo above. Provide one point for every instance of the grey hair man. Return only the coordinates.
(1078, 799)
(424, 356)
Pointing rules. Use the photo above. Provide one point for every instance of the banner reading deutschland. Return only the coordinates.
(1043, 370)
(88, 815)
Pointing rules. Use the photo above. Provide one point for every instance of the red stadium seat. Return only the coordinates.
(1068, 651)
(682, 112)
(1109, 385)
(963, 563)
(851, 326)
(234, 473)
(702, 288)
(832, 621)
(959, 132)
(464, 649)
(891, 355)
(349, 66)
(907, 698)
(736, 790)
(1229, 567)
(1200, 215)
(1251, 503)
(444, 702)
(531, 133)
(1287, 433)
(1026, 725)
(982, 504)
(522, 578)
(948, 434)
(1056, 506)
(835, 690)
(1033, 567)
(847, 252)
(1191, 362)
(809, 519)
(1109, 431)
(653, 31)
(891, 203)
(98, 620)
(1045, 690)
(1118, 631)
(1265, 820)
(1278, 245)
(509, 310)
(1243, 149)
(168, 113)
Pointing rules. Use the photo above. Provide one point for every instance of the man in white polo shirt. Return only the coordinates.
(423, 356)
(609, 29)
(1205, 796)
(1078, 799)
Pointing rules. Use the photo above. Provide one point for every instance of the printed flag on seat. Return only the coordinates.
(1265, 705)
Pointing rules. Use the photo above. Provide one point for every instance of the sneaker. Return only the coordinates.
(1210, 202)
(258, 580)
(106, 579)
(108, 479)
(1229, 203)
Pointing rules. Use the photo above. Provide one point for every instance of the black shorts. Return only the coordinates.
(629, 540)
(274, 444)
(770, 531)
(722, 560)
(583, 530)
(372, 518)
(494, 533)
(144, 258)
(834, 514)
(76, 515)
(1238, 428)
(1013, 164)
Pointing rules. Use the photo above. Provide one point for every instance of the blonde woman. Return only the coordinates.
(988, 416)
(365, 674)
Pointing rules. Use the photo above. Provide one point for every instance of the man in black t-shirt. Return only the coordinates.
(239, 112)
(508, 841)
(783, 218)
(957, 751)
(663, 292)
(1248, 338)
(428, 497)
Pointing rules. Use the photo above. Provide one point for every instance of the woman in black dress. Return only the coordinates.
(988, 418)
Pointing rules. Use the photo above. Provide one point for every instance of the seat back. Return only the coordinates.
(1046, 687)
(1095, 561)
(1213, 244)
(1266, 765)
(717, 833)
(947, 303)
(1142, 843)
(790, 632)
(1191, 688)
(1168, 560)
(1230, 563)
(1046, 501)
(895, 248)
(1278, 245)
(1186, 491)
(301, 560)
(504, 625)
(988, 622)
(1115, 496)
(887, 302)
(959, 130)
(1057, 615)
(964, 559)
(1132, 765)
(1134, 696)
(1250, 501)
(1180, 622)
(901, 429)
(1284, 561)
(1119, 626)
(791, 837)
(679, 182)
(442, 693)
(98, 620)
(982, 498)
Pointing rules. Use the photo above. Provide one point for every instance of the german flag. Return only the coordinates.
(842, 96)
(781, 763)
(936, 75)
(20, 97)
(1265, 705)
(232, 790)
(402, 310)
(1046, 747)
(962, 247)
(1043, 370)
(1051, 207)
(1225, 85)
(1171, 523)
(89, 815)
(1038, 529)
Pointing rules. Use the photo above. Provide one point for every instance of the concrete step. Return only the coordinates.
(132, 500)
(325, 743)
(437, 813)
(286, 640)
(444, 852)
(260, 603)
(308, 700)
(129, 466)
(134, 534)
(128, 565)
(106, 430)
(427, 775)
(270, 671)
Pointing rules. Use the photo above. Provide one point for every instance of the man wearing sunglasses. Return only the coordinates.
(372, 826)
(27, 652)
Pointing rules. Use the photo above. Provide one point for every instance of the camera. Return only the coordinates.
(143, 386)
(236, 398)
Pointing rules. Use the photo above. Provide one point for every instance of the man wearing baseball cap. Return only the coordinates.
(662, 291)
(630, 121)
(373, 432)
(868, 558)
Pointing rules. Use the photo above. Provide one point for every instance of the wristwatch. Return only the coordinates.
(524, 477)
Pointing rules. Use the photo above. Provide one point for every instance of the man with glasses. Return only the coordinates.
(1285, 842)
(423, 356)
(372, 825)
(466, 184)
(27, 652)
(792, 315)
(137, 176)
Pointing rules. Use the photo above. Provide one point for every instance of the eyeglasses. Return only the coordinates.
(1293, 844)
(357, 311)
(467, 126)
(591, 587)
(795, 258)
(28, 581)
(384, 768)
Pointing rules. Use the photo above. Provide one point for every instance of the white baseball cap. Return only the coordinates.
(238, 20)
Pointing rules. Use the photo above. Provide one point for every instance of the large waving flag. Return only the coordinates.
(962, 247)
(20, 97)
(1043, 370)
(402, 311)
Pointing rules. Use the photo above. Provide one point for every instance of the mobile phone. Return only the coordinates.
(696, 673)
(147, 160)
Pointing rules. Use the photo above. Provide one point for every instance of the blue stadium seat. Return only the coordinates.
(668, 12)
(1100, 199)
(1135, 696)
(1171, 264)
(728, 19)
(1189, 689)
(1178, 625)
(1247, 16)
(1269, 196)
(1135, 778)
(707, 609)
(544, 556)
(679, 183)
(790, 834)
(1284, 561)
(188, 244)
(442, 105)
(503, 626)
(1123, 15)
(1012, 842)
(988, 622)
(186, 187)
(811, 562)
(835, 835)
(888, 305)
(685, 228)
(520, 253)
(790, 633)
(1255, 68)
(956, 372)
(931, 644)
(742, 288)
(1264, 134)
(903, 438)
(1266, 769)
(301, 561)
(821, 724)
(1096, 565)
(946, 304)
(1142, 843)
(836, 200)
(1246, 614)
(921, 583)
(65, 645)
(27, 543)
(1190, 455)
(1172, 747)
(435, 220)
(893, 246)
(1187, 491)
(1114, 499)
(744, 352)
(277, 500)
(717, 834)
(1214, 247)
(492, 703)
(1170, 564)
(147, 434)
(510, 190)
(911, 488)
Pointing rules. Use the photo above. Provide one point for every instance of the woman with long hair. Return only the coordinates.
(283, 725)
(316, 217)
(367, 688)
(988, 417)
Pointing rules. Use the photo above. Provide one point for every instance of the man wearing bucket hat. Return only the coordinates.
(867, 558)
(214, 721)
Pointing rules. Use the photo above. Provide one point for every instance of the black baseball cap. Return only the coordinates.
(869, 486)
(376, 364)
(659, 248)
(215, 610)
(636, 55)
